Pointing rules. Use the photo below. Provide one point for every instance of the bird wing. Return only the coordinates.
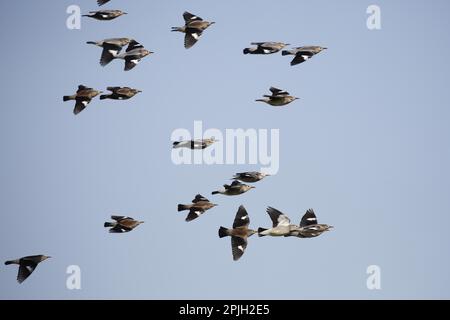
(250, 175)
(131, 62)
(82, 88)
(238, 246)
(81, 104)
(113, 89)
(308, 219)
(199, 198)
(134, 45)
(191, 38)
(110, 51)
(194, 213)
(301, 56)
(278, 218)
(117, 229)
(118, 218)
(234, 185)
(188, 17)
(102, 2)
(242, 219)
(278, 92)
(25, 270)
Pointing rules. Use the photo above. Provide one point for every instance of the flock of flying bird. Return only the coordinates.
(193, 29)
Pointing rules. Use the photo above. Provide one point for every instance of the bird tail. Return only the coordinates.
(104, 96)
(182, 207)
(67, 98)
(246, 51)
(109, 224)
(179, 29)
(223, 232)
(176, 143)
(92, 42)
(260, 100)
(215, 192)
(11, 262)
(86, 15)
(260, 230)
(285, 52)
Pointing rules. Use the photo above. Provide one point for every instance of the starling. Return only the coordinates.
(104, 15)
(199, 206)
(265, 47)
(194, 144)
(239, 233)
(111, 48)
(27, 265)
(122, 224)
(133, 55)
(119, 93)
(193, 29)
(234, 189)
(83, 96)
(250, 177)
(102, 2)
(309, 227)
(302, 53)
(281, 225)
(278, 98)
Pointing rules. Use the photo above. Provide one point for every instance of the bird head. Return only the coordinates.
(45, 257)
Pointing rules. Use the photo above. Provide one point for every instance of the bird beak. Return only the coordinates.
(252, 187)
(125, 13)
(212, 22)
(141, 221)
(325, 48)
(287, 44)
(215, 205)
(296, 98)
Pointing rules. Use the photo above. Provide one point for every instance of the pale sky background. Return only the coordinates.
(367, 146)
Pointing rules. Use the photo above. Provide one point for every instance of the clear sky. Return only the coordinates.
(367, 146)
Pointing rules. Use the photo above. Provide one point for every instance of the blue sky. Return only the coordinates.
(367, 147)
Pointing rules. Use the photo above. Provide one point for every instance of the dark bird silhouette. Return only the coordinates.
(302, 53)
(83, 97)
(278, 98)
(309, 226)
(250, 177)
(198, 207)
(104, 15)
(122, 224)
(27, 265)
(120, 93)
(236, 188)
(193, 28)
(194, 144)
(102, 2)
(265, 47)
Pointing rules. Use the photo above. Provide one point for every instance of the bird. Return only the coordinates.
(102, 2)
(193, 28)
(250, 177)
(198, 207)
(239, 233)
(281, 224)
(302, 53)
(265, 47)
(104, 15)
(111, 48)
(133, 55)
(278, 98)
(309, 227)
(236, 188)
(122, 224)
(194, 144)
(120, 93)
(83, 97)
(27, 265)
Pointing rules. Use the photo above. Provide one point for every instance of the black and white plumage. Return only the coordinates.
(239, 233)
(102, 2)
(236, 188)
(104, 15)
(265, 47)
(309, 226)
(82, 97)
(302, 53)
(111, 48)
(27, 265)
(250, 177)
(193, 28)
(278, 98)
(120, 93)
(133, 55)
(199, 206)
(281, 224)
(197, 144)
(122, 224)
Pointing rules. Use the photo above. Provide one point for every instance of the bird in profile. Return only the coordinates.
(309, 226)
(278, 98)
(198, 207)
(194, 144)
(82, 98)
(239, 233)
(236, 188)
(122, 224)
(120, 93)
(193, 28)
(281, 224)
(102, 2)
(111, 48)
(104, 15)
(27, 265)
(265, 47)
(250, 177)
(302, 53)
(133, 55)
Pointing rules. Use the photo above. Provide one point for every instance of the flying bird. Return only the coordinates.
(102, 2)
(265, 47)
(83, 97)
(198, 207)
(278, 98)
(193, 28)
(302, 53)
(194, 144)
(120, 93)
(281, 224)
(111, 48)
(133, 55)
(27, 265)
(122, 224)
(236, 188)
(250, 177)
(104, 15)
(239, 233)
(309, 226)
